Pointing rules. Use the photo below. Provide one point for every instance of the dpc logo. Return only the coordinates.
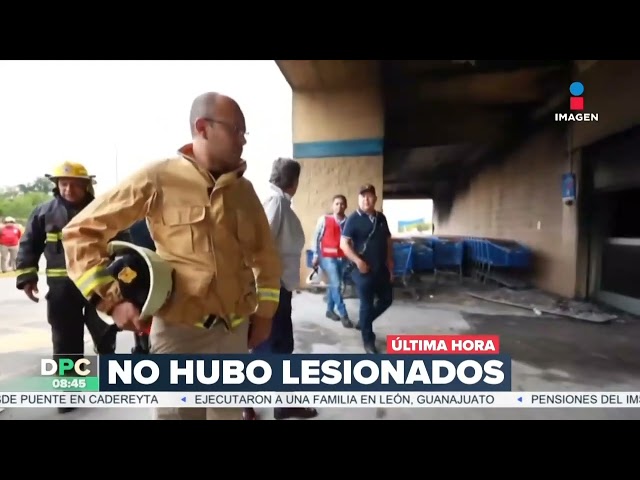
(576, 104)
(68, 367)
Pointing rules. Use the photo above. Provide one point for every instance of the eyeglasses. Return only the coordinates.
(230, 126)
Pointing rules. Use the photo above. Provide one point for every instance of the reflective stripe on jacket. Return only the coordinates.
(43, 236)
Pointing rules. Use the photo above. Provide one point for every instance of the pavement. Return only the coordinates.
(549, 353)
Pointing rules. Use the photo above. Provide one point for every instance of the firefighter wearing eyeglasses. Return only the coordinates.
(208, 227)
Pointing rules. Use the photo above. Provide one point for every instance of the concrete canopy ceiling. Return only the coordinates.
(443, 118)
(464, 97)
(329, 74)
(444, 115)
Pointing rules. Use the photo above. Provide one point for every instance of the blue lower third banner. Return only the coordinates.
(300, 373)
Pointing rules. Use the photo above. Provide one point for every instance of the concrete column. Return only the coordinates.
(338, 139)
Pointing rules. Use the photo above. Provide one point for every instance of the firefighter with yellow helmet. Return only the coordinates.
(67, 310)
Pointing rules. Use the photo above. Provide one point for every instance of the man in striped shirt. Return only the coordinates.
(329, 256)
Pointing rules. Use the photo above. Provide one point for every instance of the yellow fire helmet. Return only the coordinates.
(145, 279)
(70, 170)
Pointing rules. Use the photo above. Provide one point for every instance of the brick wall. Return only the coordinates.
(331, 116)
(522, 200)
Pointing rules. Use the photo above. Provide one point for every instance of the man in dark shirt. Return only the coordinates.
(141, 237)
(366, 241)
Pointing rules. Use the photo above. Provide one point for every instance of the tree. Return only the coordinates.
(40, 184)
(20, 200)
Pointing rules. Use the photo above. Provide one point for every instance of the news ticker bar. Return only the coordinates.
(322, 400)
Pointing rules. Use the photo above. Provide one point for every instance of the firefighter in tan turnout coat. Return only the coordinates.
(209, 225)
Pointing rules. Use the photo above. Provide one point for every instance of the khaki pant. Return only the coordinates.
(179, 339)
(8, 257)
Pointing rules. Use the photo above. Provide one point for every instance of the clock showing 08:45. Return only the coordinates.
(62, 383)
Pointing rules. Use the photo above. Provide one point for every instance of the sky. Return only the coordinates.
(116, 116)
(407, 210)
(95, 112)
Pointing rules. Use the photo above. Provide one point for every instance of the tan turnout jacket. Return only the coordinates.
(220, 244)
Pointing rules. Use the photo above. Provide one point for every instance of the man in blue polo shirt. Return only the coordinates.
(366, 241)
(141, 237)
